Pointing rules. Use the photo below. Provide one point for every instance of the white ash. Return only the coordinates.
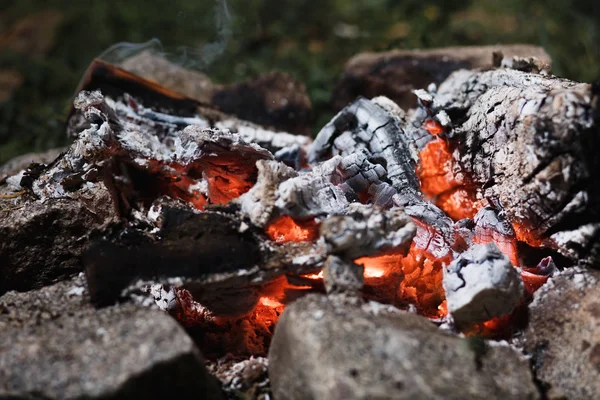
(581, 278)
(252, 133)
(314, 193)
(423, 95)
(14, 182)
(481, 284)
(259, 202)
(248, 376)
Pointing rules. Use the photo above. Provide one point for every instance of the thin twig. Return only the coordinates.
(7, 210)
(12, 195)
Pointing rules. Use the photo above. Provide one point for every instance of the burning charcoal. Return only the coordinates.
(343, 277)
(534, 278)
(396, 73)
(563, 335)
(365, 126)
(324, 349)
(481, 284)
(526, 141)
(367, 230)
(57, 348)
(491, 227)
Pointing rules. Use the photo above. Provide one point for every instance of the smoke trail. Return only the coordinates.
(118, 52)
(202, 57)
(189, 57)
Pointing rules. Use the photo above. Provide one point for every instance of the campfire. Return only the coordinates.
(448, 217)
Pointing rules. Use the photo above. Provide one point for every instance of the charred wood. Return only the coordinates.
(395, 74)
(528, 141)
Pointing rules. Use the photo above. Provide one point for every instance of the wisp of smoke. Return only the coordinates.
(189, 57)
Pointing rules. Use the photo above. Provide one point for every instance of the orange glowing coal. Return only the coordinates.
(225, 177)
(285, 229)
(440, 182)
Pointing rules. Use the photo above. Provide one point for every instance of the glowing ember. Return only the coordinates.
(507, 244)
(269, 302)
(422, 270)
(440, 182)
(286, 229)
(433, 127)
(228, 178)
(314, 276)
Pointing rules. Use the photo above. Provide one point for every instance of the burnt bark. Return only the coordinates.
(529, 143)
(395, 74)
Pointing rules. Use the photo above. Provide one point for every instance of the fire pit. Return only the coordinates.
(431, 252)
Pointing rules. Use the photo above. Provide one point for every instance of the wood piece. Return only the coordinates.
(528, 141)
(397, 73)
(272, 100)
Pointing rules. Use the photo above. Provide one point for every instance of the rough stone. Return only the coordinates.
(563, 335)
(42, 242)
(324, 349)
(55, 346)
(343, 276)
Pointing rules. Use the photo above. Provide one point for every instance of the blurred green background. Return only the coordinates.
(45, 45)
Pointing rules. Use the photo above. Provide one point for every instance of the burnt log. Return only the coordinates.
(395, 74)
(273, 100)
(527, 141)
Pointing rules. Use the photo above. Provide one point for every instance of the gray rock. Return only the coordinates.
(78, 352)
(42, 242)
(563, 335)
(325, 349)
(21, 309)
(343, 276)
(481, 284)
